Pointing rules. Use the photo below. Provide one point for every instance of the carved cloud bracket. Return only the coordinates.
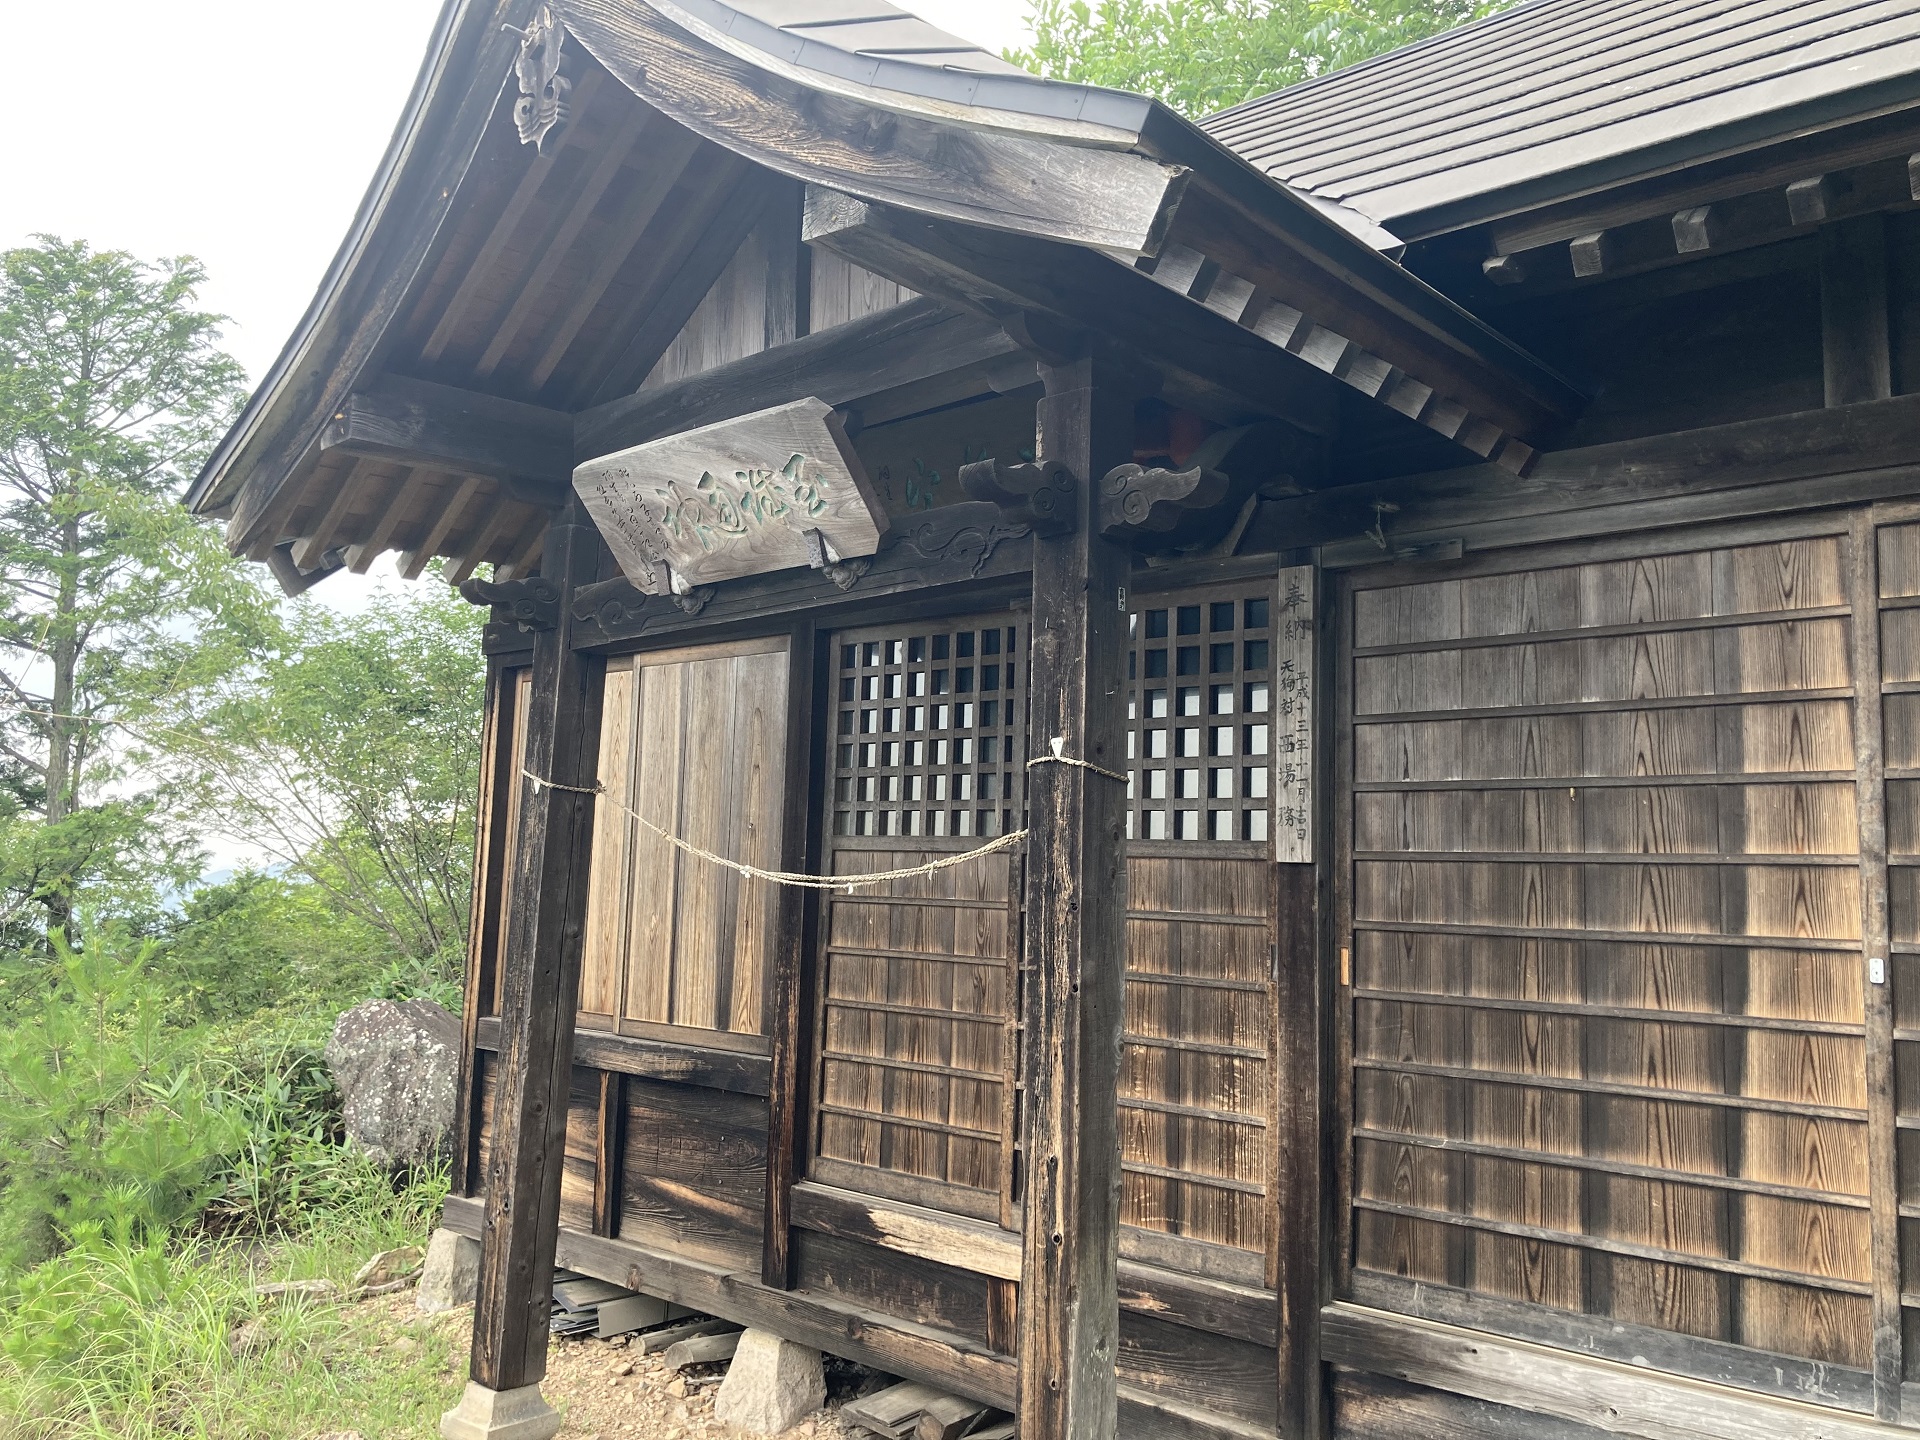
(963, 534)
(545, 103)
(532, 604)
(614, 605)
(1135, 500)
(1038, 495)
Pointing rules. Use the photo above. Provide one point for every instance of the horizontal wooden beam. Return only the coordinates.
(1685, 468)
(1203, 359)
(732, 1070)
(838, 1327)
(901, 346)
(462, 432)
(1614, 1397)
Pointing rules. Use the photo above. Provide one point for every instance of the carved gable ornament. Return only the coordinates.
(763, 492)
(543, 104)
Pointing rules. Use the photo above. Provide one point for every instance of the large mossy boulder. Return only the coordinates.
(397, 1065)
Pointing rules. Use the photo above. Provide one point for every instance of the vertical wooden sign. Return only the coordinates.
(1294, 697)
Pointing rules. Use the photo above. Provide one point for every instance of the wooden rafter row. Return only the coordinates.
(466, 291)
(1704, 224)
(1188, 272)
(566, 224)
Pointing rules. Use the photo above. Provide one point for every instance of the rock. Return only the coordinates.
(249, 1337)
(386, 1272)
(451, 1277)
(397, 1068)
(296, 1291)
(771, 1386)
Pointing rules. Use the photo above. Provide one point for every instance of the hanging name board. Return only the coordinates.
(1293, 704)
(758, 493)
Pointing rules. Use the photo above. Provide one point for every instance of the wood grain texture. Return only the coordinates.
(1608, 1048)
(794, 967)
(1616, 1398)
(695, 741)
(839, 1327)
(927, 730)
(1093, 197)
(897, 346)
(1072, 998)
(540, 980)
(1869, 663)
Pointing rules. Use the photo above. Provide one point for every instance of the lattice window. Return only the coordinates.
(931, 730)
(1200, 712)
(929, 752)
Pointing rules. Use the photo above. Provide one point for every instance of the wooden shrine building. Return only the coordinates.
(1372, 645)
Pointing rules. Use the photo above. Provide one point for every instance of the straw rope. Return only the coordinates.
(845, 883)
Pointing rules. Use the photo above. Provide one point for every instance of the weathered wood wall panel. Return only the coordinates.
(1607, 1033)
(694, 741)
(581, 1165)
(1202, 1371)
(729, 324)
(907, 1287)
(695, 1172)
(927, 740)
(842, 291)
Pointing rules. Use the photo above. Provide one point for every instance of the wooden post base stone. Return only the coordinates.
(484, 1414)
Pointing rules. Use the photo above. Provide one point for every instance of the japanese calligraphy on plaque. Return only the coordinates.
(762, 492)
(1294, 698)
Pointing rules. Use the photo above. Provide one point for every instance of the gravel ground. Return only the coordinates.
(608, 1391)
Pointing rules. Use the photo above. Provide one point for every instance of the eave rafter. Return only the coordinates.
(1218, 340)
(1786, 192)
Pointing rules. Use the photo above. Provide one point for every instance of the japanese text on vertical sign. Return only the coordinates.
(1294, 699)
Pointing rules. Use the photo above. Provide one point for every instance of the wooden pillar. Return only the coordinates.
(1856, 352)
(793, 958)
(1075, 941)
(547, 901)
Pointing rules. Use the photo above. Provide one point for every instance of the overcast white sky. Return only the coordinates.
(243, 132)
(240, 131)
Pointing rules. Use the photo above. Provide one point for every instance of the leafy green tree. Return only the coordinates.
(1203, 55)
(112, 389)
(347, 752)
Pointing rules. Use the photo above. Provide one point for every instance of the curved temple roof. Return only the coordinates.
(1556, 94)
(993, 190)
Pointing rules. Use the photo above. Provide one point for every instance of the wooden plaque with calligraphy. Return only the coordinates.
(762, 492)
(1293, 702)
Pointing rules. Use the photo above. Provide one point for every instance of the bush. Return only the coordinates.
(107, 1123)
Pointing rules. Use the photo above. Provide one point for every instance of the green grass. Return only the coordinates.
(138, 1342)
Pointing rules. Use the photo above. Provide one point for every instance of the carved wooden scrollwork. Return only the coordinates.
(532, 604)
(1039, 495)
(613, 605)
(544, 105)
(964, 534)
(695, 600)
(1136, 500)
